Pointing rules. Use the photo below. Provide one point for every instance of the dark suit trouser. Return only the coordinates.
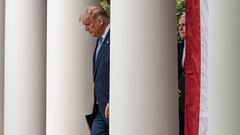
(181, 115)
(181, 126)
(100, 126)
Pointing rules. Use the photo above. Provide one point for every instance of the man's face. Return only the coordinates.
(181, 27)
(93, 27)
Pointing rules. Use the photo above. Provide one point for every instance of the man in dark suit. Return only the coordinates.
(97, 23)
(181, 77)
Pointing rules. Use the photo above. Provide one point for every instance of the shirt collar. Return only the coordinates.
(106, 31)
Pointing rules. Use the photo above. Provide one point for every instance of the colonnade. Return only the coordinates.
(46, 71)
(69, 68)
(25, 67)
(143, 96)
(1, 64)
(224, 65)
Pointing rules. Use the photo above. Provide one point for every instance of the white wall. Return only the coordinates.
(224, 65)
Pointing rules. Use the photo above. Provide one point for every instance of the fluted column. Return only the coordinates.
(2, 12)
(69, 69)
(224, 65)
(144, 97)
(25, 64)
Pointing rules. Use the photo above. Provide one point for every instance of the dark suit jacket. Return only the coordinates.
(180, 54)
(101, 76)
(181, 87)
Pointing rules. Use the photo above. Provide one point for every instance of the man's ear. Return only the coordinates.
(100, 21)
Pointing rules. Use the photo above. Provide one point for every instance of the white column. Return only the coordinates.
(69, 69)
(144, 97)
(224, 65)
(25, 64)
(2, 12)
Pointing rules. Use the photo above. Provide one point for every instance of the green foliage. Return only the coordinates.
(106, 5)
(180, 9)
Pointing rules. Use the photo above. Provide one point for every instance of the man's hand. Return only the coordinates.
(179, 93)
(107, 113)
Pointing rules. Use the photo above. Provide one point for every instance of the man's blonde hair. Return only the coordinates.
(93, 12)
